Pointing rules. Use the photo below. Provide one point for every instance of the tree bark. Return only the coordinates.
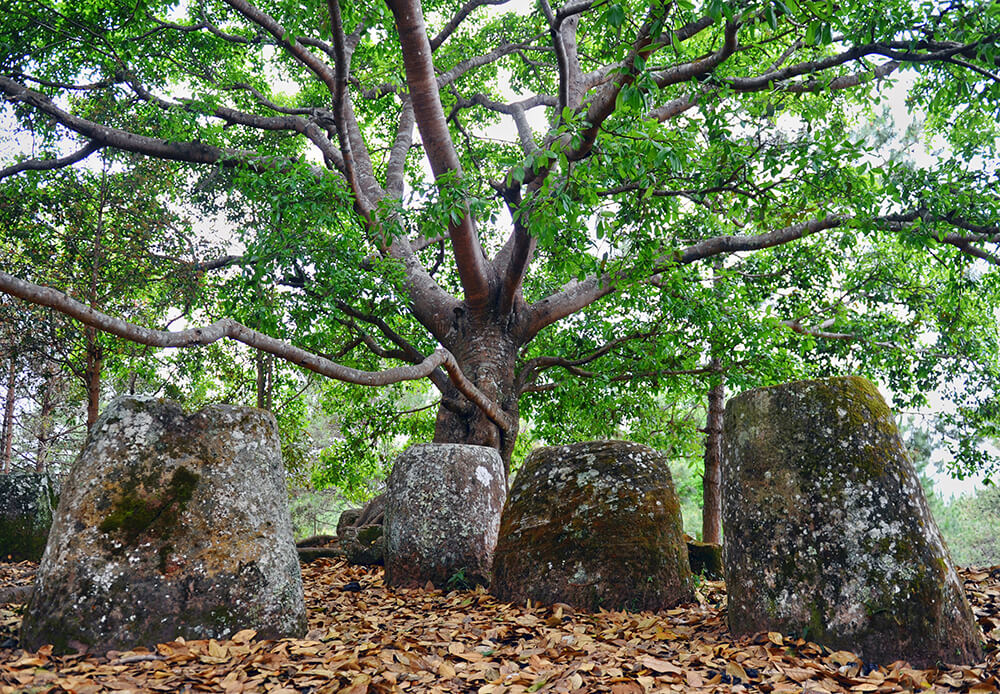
(92, 375)
(47, 407)
(8, 416)
(711, 518)
(486, 351)
(265, 381)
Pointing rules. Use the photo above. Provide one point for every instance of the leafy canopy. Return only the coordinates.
(643, 198)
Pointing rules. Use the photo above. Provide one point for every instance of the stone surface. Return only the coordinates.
(828, 534)
(364, 545)
(442, 514)
(348, 519)
(593, 525)
(170, 525)
(705, 559)
(26, 503)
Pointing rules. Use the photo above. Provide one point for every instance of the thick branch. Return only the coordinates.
(468, 64)
(342, 70)
(46, 296)
(438, 145)
(395, 170)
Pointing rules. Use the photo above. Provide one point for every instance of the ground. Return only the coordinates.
(365, 638)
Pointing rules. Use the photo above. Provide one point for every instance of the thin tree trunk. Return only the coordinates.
(8, 416)
(92, 376)
(265, 381)
(48, 406)
(711, 518)
(93, 349)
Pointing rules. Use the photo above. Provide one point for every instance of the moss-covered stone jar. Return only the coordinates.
(828, 533)
(593, 525)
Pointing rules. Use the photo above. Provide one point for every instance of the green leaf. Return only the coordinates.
(616, 15)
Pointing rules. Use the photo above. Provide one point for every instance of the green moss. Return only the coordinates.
(815, 630)
(134, 514)
(183, 483)
(611, 523)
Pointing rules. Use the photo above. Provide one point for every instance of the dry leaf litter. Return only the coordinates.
(366, 638)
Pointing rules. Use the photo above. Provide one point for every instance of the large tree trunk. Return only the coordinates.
(486, 353)
(711, 517)
(8, 416)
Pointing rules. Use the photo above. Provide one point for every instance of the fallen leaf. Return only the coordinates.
(661, 666)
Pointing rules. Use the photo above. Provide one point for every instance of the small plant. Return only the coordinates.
(459, 581)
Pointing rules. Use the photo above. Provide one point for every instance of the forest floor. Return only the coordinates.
(366, 638)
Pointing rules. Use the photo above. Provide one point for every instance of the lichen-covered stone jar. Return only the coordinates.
(828, 533)
(593, 525)
(442, 514)
(169, 525)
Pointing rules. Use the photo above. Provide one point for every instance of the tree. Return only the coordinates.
(352, 147)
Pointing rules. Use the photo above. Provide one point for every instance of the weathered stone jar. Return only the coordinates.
(593, 525)
(828, 534)
(170, 525)
(442, 514)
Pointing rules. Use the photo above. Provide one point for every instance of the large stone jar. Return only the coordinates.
(594, 525)
(170, 525)
(442, 514)
(827, 530)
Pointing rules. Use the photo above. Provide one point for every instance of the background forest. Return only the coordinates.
(339, 441)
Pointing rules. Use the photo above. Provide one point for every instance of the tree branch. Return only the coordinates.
(342, 70)
(46, 296)
(438, 145)
(534, 367)
(287, 41)
(621, 378)
(104, 136)
(797, 327)
(395, 169)
(895, 51)
(49, 164)
(458, 18)
(576, 295)
(407, 351)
